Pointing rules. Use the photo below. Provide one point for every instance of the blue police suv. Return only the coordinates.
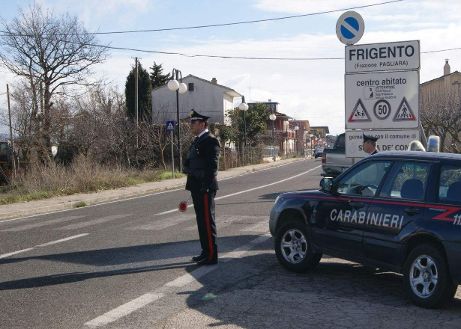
(399, 211)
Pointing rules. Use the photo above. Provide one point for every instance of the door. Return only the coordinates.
(340, 217)
(399, 206)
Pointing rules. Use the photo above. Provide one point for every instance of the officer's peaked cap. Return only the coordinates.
(368, 138)
(197, 116)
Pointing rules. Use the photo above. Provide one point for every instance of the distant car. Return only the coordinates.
(318, 152)
(399, 211)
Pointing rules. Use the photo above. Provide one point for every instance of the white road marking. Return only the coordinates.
(62, 240)
(43, 245)
(41, 223)
(124, 310)
(161, 225)
(245, 191)
(201, 271)
(191, 277)
(266, 185)
(93, 222)
(172, 210)
(138, 303)
(259, 227)
(90, 206)
(15, 252)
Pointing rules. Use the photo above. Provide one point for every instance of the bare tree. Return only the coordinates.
(50, 52)
(441, 116)
(21, 111)
(99, 126)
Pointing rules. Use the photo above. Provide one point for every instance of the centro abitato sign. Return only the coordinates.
(382, 94)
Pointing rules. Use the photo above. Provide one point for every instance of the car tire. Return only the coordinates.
(426, 277)
(293, 247)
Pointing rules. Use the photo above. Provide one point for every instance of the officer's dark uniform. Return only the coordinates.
(201, 167)
(367, 138)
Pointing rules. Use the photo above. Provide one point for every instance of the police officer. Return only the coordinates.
(201, 167)
(369, 144)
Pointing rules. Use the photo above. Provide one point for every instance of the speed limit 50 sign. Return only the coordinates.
(382, 100)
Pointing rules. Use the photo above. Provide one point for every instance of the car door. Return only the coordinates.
(340, 217)
(399, 205)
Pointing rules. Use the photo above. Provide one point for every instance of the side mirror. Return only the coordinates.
(326, 184)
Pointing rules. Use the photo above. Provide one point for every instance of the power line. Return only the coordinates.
(218, 56)
(250, 21)
(440, 50)
(250, 57)
(225, 24)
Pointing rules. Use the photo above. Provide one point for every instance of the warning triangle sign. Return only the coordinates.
(170, 126)
(404, 112)
(359, 114)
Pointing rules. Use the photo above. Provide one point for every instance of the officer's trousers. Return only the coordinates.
(204, 206)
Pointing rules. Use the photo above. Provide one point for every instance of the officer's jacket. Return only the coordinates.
(201, 164)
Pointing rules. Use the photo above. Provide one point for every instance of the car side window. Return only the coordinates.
(450, 184)
(365, 180)
(409, 182)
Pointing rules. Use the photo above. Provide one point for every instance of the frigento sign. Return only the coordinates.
(389, 140)
(382, 100)
(391, 56)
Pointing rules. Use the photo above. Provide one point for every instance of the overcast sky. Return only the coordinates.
(312, 90)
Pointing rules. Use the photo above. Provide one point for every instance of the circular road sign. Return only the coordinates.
(350, 27)
(382, 109)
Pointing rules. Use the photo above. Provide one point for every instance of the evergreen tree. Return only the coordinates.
(157, 78)
(144, 95)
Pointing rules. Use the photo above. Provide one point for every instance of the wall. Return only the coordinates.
(206, 98)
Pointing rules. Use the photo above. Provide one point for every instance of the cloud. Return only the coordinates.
(306, 6)
(408, 14)
(95, 14)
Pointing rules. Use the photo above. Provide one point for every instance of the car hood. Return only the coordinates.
(303, 194)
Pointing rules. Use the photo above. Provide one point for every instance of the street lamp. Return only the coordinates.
(311, 136)
(176, 84)
(244, 107)
(296, 128)
(54, 150)
(272, 117)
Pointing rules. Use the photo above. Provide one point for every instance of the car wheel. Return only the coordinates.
(293, 247)
(427, 279)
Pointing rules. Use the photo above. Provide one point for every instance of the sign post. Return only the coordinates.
(170, 127)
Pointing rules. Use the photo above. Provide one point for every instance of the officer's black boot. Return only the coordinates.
(200, 257)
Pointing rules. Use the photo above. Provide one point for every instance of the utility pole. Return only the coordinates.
(11, 130)
(136, 91)
(179, 124)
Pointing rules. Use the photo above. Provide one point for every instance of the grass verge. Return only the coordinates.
(83, 176)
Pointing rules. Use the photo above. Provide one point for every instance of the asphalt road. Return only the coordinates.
(127, 264)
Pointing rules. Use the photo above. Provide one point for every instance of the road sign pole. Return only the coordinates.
(172, 153)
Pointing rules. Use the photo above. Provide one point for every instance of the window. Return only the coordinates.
(450, 184)
(409, 182)
(365, 180)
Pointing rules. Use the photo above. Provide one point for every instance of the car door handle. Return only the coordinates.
(411, 211)
(356, 205)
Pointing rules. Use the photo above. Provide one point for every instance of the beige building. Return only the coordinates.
(440, 100)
